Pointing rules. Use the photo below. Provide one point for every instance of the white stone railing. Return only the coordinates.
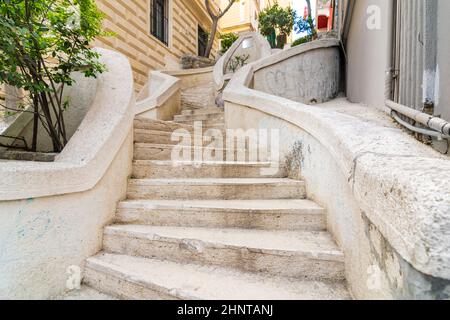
(251, 43)
(155, 99)
(52, 214)
(388, 196)
(91, 149)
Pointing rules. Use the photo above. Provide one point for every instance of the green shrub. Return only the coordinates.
(227, 40)
(278, 19)
(42, 42)
(302, 40)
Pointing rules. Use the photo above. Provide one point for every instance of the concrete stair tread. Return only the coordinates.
(217, 181)
(85, 293)
(216, 188)
(201, 164)
(319, 245)
(287, 205)
(167, 137)
(150, 124)
(248, 214)
(210, 110)
(184, 281)
(164, 146)
(216, 117)
(166, 126)
(157, 132)
(167, 133)
(206, 123)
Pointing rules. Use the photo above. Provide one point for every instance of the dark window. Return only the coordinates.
(159, 25)
(202, 41)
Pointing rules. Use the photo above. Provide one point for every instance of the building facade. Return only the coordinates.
(324, 15)
(399, 51)
(154, 34)
(243, 15)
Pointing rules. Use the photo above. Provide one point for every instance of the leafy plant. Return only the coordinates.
(42, 42)
(301, 40)
(276, 18)
(227, 40)
(238, 62)
(215, 17)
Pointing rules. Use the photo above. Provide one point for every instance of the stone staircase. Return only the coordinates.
(214, 230)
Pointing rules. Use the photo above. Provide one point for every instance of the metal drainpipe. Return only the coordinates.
(430, 56)
(439, 127)
(437, 124)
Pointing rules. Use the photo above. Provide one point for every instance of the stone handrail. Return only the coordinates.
(401, 187)
(220, 71)
(157, 91)
(90, 151)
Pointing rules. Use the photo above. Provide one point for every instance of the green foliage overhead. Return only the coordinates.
(227, 40)
(276, 18)
(42, 42)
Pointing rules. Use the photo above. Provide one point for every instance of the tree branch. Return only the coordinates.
(230, 4)
(12, 146)
(208, 8)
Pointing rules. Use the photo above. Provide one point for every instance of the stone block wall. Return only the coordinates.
(130, 21)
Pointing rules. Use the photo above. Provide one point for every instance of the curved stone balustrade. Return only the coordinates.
(91, 149)
(387, 195)
(252, 44)
(309, 74)
(160, 98)
(51, 214)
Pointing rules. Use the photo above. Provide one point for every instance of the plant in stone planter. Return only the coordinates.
(42, 42)
(238, 62)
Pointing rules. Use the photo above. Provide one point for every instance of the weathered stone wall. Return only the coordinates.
(52, 214)
(197, 87)
(311, 76)
(43, 241)
(374, 269)
(387, 195)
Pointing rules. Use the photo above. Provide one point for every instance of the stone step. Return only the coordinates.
(294, 254)
(152, 169)
(169, 126)
(158, 125)
(85, 293)
(147, 279)
(165, 137)
(215, 117)
(149, 151)
(209, 124)
(210, 110)
(246, 214)
(211, 189)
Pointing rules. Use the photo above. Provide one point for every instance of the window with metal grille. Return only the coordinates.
(159, 23)
(202, 41)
